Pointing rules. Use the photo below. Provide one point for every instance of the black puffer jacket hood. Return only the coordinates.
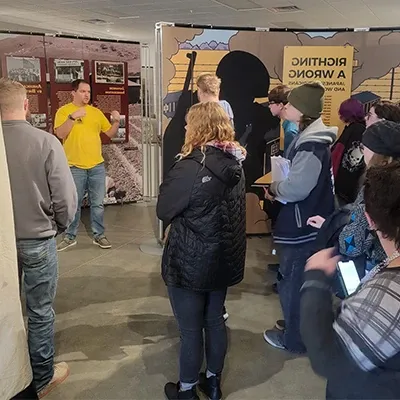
(203, 199)
(223, 164)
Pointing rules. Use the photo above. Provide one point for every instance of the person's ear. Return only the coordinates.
(26, 106)
(371, 223)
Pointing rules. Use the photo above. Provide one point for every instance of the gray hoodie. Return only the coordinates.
(306, 165)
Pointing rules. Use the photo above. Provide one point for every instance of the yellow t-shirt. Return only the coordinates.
(83, 144)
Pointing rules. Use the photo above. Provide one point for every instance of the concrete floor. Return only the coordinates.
(115, 328)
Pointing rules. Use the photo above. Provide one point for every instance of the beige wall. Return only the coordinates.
(15, 370)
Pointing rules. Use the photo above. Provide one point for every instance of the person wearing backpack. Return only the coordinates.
(358, 349)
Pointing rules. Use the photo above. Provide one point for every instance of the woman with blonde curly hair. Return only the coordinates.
(203, 199)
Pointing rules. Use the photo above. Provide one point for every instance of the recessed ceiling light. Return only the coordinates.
(130, 17)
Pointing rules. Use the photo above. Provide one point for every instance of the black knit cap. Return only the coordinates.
(383, 138)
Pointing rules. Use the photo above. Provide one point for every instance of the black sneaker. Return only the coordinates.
(211, 387)
(280, 325)
(172, 392)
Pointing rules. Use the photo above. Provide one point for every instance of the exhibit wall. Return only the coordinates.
(250, 63)
(47, 65)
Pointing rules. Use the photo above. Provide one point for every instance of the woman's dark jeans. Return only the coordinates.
(195, 311)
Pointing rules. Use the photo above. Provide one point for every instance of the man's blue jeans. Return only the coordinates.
(292, 260)
(94, 181)
(38, 262)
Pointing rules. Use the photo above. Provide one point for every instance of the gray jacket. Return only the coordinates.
(308, 188)
(43, 190)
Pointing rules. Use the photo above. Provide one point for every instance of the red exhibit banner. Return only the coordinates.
(31, 72)
(110, 93)
(62, 73)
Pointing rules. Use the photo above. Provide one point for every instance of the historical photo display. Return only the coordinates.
(38, 120)
(66, 71)
(121, 134)
(109, 72)
(24, 69)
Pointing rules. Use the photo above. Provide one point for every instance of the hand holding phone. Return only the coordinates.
(348, 276)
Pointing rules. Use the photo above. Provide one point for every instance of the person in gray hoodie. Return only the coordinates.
(308, 187)
(44, 202)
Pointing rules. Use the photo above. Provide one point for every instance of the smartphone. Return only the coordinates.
(348, 276)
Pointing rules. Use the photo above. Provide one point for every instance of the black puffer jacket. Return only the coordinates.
(205, 203)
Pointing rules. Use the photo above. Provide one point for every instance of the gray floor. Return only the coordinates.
(115, 328)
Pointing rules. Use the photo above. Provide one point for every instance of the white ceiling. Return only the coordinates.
(135, 19)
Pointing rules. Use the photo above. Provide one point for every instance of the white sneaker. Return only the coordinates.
(61, 373)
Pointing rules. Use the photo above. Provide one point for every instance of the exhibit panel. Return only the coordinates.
(331, 65)
(250, 62)
(113, 70)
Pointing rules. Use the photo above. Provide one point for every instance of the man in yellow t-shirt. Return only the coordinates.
(79, 125)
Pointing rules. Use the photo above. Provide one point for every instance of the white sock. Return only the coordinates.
(209, 374)
(183, 387)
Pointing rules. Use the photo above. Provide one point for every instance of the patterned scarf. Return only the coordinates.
(230, 147)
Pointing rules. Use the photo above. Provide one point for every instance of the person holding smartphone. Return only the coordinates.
(359, 350)
(381, 146)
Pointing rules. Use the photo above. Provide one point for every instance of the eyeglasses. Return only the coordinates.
(283, 103)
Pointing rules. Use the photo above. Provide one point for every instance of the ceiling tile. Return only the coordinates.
(239, 4)
(66, 15)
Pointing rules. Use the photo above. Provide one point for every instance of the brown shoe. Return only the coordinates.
(61, 372)
(102, 242)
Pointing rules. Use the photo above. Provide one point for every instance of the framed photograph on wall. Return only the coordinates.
(24, 69)
(109, 72)
(67, 71)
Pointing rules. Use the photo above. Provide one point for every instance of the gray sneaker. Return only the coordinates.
(102, 242)
(66, 244)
